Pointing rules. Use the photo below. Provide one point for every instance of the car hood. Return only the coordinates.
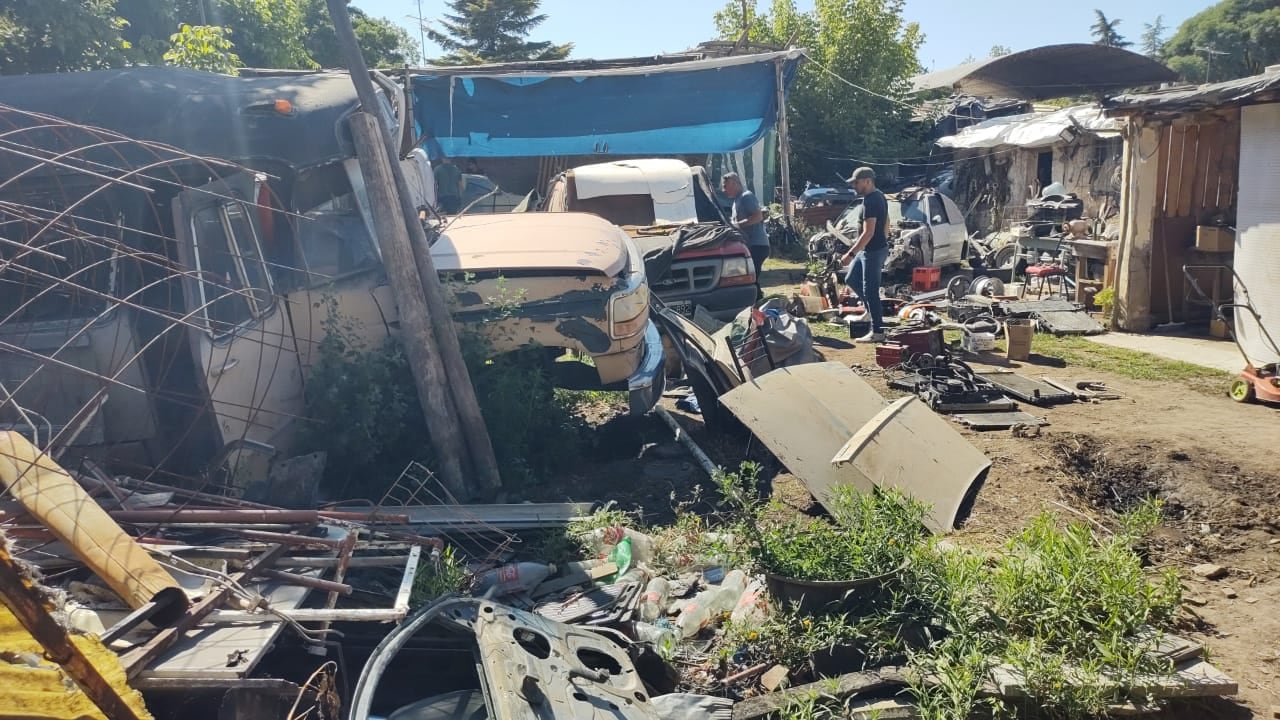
(575, 242)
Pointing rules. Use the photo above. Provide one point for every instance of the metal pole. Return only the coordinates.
(784, 143)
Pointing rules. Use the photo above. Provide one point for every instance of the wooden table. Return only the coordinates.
(1084, 251)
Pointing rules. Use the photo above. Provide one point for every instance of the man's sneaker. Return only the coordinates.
(871, 337)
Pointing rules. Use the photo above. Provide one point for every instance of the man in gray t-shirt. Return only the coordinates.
(748, 218)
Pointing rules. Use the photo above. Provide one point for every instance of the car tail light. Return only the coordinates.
(629, 313)
(737, 271)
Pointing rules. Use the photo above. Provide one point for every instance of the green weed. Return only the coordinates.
(441, 574)
(869, 534)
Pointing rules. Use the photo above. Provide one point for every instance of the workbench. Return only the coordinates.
(1084, 251)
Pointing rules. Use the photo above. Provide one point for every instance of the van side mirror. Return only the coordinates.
(937, 220)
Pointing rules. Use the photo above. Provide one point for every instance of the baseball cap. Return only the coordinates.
(862, 173)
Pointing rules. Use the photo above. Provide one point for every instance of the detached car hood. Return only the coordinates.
(573, 242)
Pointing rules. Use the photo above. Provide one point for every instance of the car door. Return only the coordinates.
(240, 334)
(947, 228)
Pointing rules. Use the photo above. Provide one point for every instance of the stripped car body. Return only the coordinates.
(266, 248)
(925, 228)
(653, 200)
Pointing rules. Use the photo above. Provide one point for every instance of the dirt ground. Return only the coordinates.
(1211, 460)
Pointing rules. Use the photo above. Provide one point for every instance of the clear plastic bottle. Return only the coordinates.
(653, 602)
(709, 604)
(508, 579)
(753, 606)
(663, 639)
(602, 540)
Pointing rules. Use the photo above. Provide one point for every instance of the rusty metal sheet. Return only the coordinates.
(811, 416)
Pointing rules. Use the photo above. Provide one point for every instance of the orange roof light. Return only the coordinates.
(284, 107)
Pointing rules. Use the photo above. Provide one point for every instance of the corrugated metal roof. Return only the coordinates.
(1204, 97)
(1034, 130)
(1051, 71)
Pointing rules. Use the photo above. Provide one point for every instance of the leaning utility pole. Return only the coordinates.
(459, 394)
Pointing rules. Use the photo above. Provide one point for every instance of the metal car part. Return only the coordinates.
(530, 667)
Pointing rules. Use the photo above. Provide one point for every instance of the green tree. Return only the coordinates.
(1105, 33)
(383, 43)
(266, 33)
(489, 31)
(999, 51)
(1153, 37)
(60, 35)
(1246, 32)
(851, 99)
(202, 47)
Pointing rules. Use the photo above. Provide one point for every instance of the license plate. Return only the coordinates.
(683, 307)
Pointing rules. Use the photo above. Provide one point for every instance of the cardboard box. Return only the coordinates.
(1219, 329)
(1210, 238)
(1019, 332)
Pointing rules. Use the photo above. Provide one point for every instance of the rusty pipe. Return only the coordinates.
(328, 586)
(239, 516)
(291, 540)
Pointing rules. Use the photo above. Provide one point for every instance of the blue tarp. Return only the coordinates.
(703, 106)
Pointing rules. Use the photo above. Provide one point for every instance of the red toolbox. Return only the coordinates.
(926, 279)
(891, 354)
(917, 342)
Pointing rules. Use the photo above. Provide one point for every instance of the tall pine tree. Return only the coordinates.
(492, 31)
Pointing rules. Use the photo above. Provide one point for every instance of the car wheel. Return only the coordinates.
(1004, 258)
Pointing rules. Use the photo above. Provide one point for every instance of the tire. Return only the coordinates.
(1242, 390)
(1005, 257)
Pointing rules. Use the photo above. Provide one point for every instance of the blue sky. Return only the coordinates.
(953, 30)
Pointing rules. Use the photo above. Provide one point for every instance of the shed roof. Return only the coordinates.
(1245, 91)
(1035, 129)
(1051, 71)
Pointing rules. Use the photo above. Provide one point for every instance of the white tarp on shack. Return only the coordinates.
(1036, 129)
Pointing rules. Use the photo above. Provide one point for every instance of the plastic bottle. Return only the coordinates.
(653, 602)
(698, 613)
(602, 540)
(663, 639)
(753, 606)
(508, 579)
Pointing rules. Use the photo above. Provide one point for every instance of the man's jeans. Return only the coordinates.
(864, 278)
(759, 253)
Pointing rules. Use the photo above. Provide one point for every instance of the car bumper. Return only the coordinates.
(646, 385)
(723, 303)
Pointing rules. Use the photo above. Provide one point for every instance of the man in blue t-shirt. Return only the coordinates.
(748, 218)
(869, 251)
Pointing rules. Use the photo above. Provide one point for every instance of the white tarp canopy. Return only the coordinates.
(1036, 129)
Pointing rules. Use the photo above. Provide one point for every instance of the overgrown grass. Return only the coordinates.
(1063, 608)
(1071, 613)
(870, 534)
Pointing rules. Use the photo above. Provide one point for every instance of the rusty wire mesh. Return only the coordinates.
(115, 338)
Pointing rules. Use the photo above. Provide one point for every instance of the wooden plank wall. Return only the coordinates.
(1197, 182)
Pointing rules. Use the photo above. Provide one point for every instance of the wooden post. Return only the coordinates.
(784, 142)
(476, 433)
(402, 273)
